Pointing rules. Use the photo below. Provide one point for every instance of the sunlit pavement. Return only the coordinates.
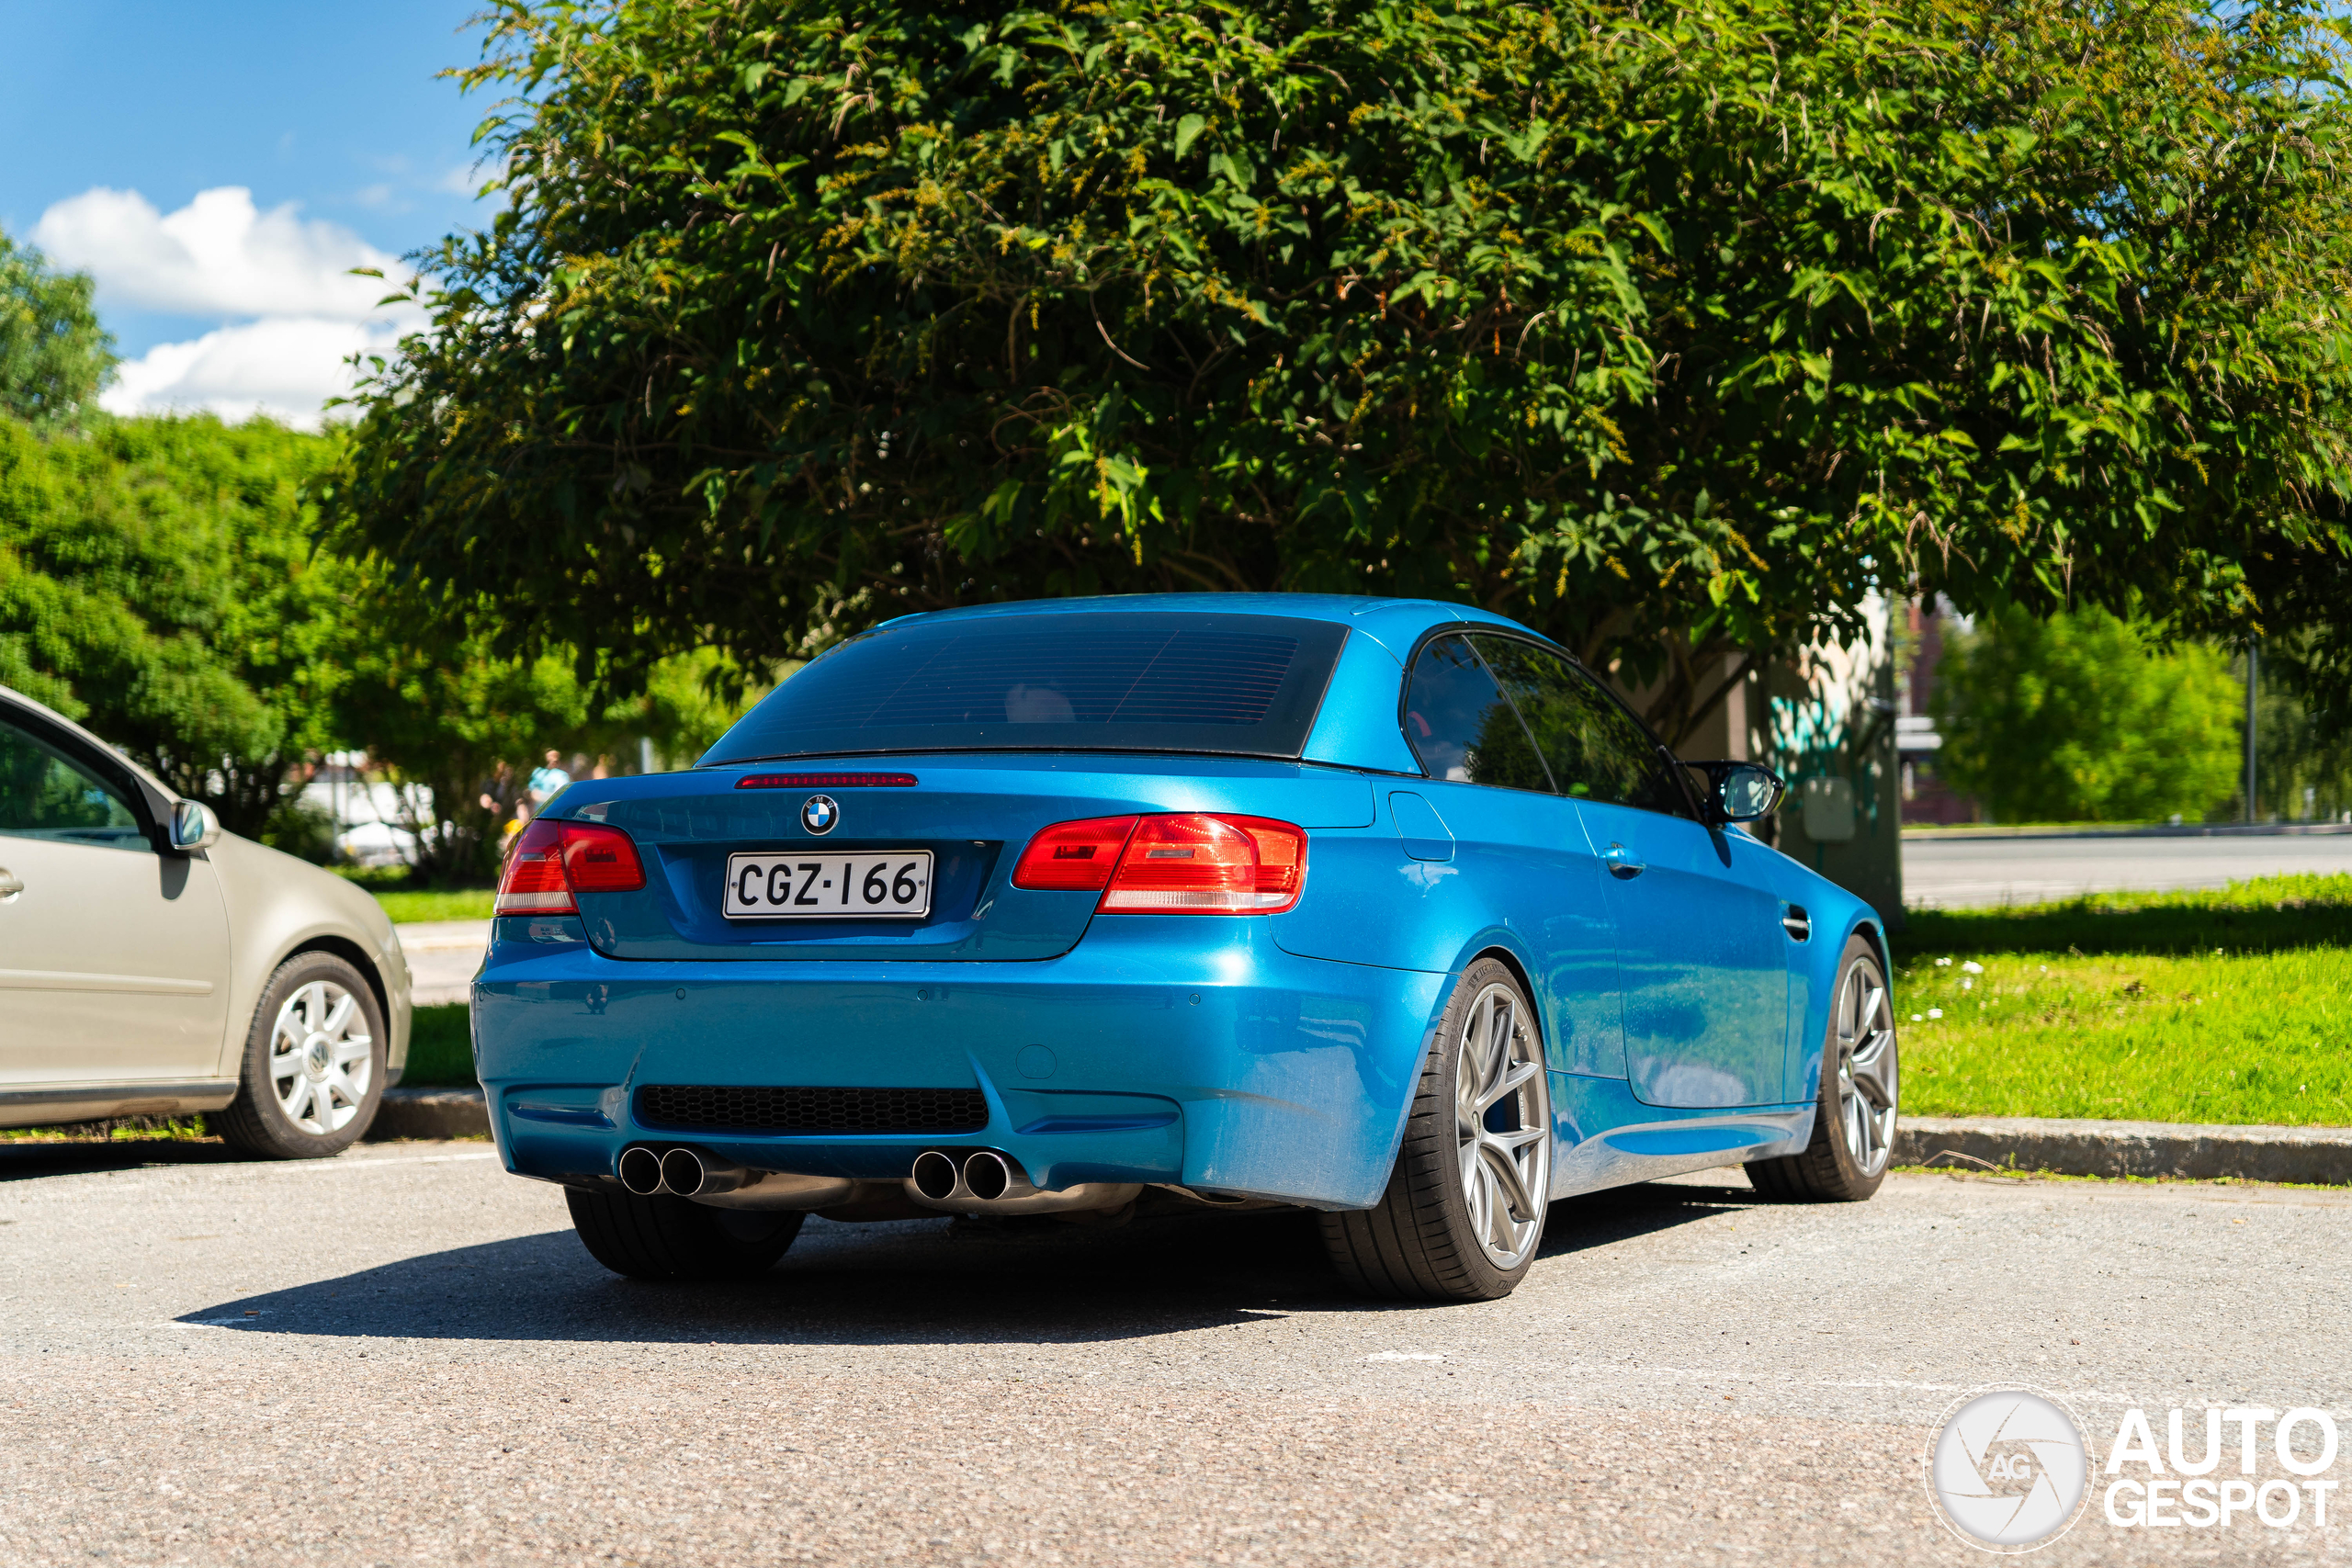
(1975, 873)
(404, 1356)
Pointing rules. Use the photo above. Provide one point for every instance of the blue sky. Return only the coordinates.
(329, 115)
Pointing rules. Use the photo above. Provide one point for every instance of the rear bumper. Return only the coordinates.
(1176, 1049)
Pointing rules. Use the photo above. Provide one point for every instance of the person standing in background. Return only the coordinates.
(548, 778)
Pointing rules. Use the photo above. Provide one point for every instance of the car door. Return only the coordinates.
(1520, 845)
(114, 957)
(1701, 954)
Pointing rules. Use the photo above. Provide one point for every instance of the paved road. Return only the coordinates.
(1963, 872)
(403, 1357)
(441, 957)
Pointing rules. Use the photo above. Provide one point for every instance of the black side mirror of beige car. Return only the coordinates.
(1741, 791)
(194, 827)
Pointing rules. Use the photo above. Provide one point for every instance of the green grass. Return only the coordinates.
(2228, 1007)
(440, 1050)
(406, 908)
(121, 1129)
(407, 904)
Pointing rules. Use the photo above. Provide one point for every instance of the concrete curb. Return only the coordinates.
(430, 1113)
(2313, 1155)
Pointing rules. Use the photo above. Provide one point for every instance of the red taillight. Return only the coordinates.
(1073, 857)
(533, 881)
(553, 860)
(1171, 865)
(600, 859)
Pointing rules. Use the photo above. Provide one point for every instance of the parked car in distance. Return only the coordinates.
(151, 963)
(1384, 910)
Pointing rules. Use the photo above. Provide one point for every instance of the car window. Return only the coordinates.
(1104, 680)
(44, 793)
(1596, 750)
(1461, 725)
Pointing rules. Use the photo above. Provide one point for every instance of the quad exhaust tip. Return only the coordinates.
(935, 1176)
(681, 1172)
(640, 1171)
(986, 1175)
(985, 1181)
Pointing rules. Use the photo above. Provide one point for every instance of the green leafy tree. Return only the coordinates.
(160, 580)
(1671, 332)
(2081, 718)
(53, 354)
(2303, 752)
(458, 725)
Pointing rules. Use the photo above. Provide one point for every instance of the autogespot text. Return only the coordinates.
(2188, 1482)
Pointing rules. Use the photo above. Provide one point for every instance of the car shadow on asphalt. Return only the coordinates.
(916, 1282)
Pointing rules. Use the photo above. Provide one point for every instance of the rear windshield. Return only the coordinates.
(1244, 685)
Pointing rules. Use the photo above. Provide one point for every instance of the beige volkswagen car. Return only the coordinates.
(151, 963)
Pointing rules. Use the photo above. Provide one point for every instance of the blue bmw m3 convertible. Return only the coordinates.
(1384, 910)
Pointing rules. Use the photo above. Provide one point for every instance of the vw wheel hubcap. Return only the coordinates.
(322, 1059)
(1866, 1066)
(1503, 1124)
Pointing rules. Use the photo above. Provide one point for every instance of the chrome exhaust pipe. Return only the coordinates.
(681, 1172)
(690, 1173)
(936, 1177)
(640, 1169)
(989, 1177)
(989, 1182)
(704, 1179)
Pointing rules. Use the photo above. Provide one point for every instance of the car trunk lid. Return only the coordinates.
(973, 813)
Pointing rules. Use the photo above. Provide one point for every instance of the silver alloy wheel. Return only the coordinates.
(1503, 1120)
(322, 1059)
(1866, 1066)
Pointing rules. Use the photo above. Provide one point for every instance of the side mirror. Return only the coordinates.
(194, 827)
(1741, 791)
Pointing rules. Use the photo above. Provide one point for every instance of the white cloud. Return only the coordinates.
(280, 285)
(216, 257)
(286, 366)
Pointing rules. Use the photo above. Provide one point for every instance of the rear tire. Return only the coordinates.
(314, 1067)
(665, 1238)
(1853, 1122)
(1464, 1213)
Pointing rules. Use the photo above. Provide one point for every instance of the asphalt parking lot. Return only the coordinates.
(402, 1356)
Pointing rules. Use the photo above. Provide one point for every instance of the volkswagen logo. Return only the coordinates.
(819, 813)
(2008, 1470)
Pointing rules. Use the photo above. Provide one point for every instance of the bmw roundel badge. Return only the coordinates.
(819, 813)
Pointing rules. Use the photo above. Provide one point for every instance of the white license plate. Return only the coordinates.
(829, 886)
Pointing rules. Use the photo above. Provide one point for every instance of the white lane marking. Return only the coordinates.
(366, 1164)
(1726, 1374)
(222, 1173)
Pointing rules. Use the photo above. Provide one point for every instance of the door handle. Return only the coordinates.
(1797, 924)
(1621, 863)
(10, 883)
